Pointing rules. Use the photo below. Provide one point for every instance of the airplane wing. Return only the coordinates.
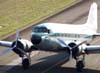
(92, 49)
(9, 44)
(96, 35)
(6, 43)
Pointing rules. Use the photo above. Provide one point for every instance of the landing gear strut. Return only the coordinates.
(26, 62)
(80, 64)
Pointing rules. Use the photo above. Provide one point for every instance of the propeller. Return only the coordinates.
(15, 46)
(9, 49)
(74, 49)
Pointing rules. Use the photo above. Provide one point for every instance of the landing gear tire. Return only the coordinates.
(80, 66)
(25, 63)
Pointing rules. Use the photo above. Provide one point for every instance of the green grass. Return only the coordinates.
(16, 14)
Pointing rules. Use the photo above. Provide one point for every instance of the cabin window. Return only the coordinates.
(41, 29)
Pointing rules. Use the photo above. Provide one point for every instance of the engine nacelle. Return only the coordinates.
(75, 50)
(22, 44)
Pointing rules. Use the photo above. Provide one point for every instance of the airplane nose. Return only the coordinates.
(36, 39)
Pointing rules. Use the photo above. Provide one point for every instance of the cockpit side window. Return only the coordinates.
(41, 29)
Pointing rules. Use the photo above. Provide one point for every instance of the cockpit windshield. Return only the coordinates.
(41, 29)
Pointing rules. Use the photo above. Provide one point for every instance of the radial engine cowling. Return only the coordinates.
(74, 49)
(22, 44)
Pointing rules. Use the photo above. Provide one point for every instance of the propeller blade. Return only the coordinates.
(5, 51)
(70, 57)
(80, 44)
(23, 52)
(17, 37)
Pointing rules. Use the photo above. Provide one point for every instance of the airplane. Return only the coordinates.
(57, 37)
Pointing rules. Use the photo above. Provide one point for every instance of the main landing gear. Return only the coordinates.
(80, 64)
(26, 62)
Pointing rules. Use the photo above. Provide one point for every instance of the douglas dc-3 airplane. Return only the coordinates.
(56, 37)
